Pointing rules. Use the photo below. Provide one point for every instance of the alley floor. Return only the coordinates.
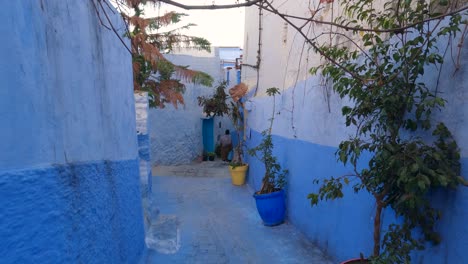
(203, 218)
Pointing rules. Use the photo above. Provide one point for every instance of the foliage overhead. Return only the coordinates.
(392, 110)
(152, 72)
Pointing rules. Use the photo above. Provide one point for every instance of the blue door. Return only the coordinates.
(208, 135)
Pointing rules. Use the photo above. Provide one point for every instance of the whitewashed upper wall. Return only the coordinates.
(60, 96)
(308, 109)
(176, 134)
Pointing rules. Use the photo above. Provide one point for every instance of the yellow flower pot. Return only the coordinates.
(238, 174)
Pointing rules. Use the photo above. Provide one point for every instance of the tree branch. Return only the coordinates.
(112, 26)
(208, 7)
(399, 29)
(273, 10)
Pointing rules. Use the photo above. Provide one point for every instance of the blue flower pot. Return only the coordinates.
(271, 207)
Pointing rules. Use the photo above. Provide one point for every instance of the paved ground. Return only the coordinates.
(215, 168)
(208, 220)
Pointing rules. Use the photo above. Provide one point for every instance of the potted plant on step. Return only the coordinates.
(270, 199)
(211, 156)
(237, 167)
(392, 110)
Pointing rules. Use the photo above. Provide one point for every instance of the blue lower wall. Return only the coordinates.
(343, 227)
(74, 213)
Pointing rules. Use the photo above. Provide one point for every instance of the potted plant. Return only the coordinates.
(237, 167)
(392, 113)
(215, 105)
(219, 105)
(211, 156)
(270, 199)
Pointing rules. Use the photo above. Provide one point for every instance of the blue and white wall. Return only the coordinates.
(176, 134)
(69, 181)
(144, 149)
(308, 128)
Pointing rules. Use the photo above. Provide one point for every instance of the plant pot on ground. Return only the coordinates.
(238, 168)
(211, 156)
(270, 199)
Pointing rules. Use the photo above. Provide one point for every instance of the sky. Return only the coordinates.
(221, 27)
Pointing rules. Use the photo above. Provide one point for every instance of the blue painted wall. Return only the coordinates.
(71, 213)
(343, 227)
(69, 184)
(308, 127)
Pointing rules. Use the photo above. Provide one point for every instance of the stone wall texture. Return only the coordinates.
(69, 183)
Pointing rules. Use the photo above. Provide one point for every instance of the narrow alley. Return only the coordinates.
(208, 220)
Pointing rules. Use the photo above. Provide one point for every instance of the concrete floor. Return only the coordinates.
(208, 220)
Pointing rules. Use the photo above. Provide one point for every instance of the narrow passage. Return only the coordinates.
(205, 219)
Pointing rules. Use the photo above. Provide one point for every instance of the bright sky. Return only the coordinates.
(223, 27)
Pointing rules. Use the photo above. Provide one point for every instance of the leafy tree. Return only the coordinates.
(215, 105)
(391, 109)
(152, 72)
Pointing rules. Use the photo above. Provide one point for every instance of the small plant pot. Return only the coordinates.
(271, 207)
(356, 261)
(238, 174)
(211, 158)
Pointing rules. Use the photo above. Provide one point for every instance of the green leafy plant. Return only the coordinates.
(275, 177)
(211, 154)
(216, 104)
(392, 112)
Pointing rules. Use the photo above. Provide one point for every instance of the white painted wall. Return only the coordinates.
(308, 109)
(176, 134)
(308, 128)
(144, 150)
(59, 62)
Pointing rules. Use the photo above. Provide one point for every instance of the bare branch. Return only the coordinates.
(112, 26)
(399, 29)
(208, 7)
(99, 16)
(273, 10)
